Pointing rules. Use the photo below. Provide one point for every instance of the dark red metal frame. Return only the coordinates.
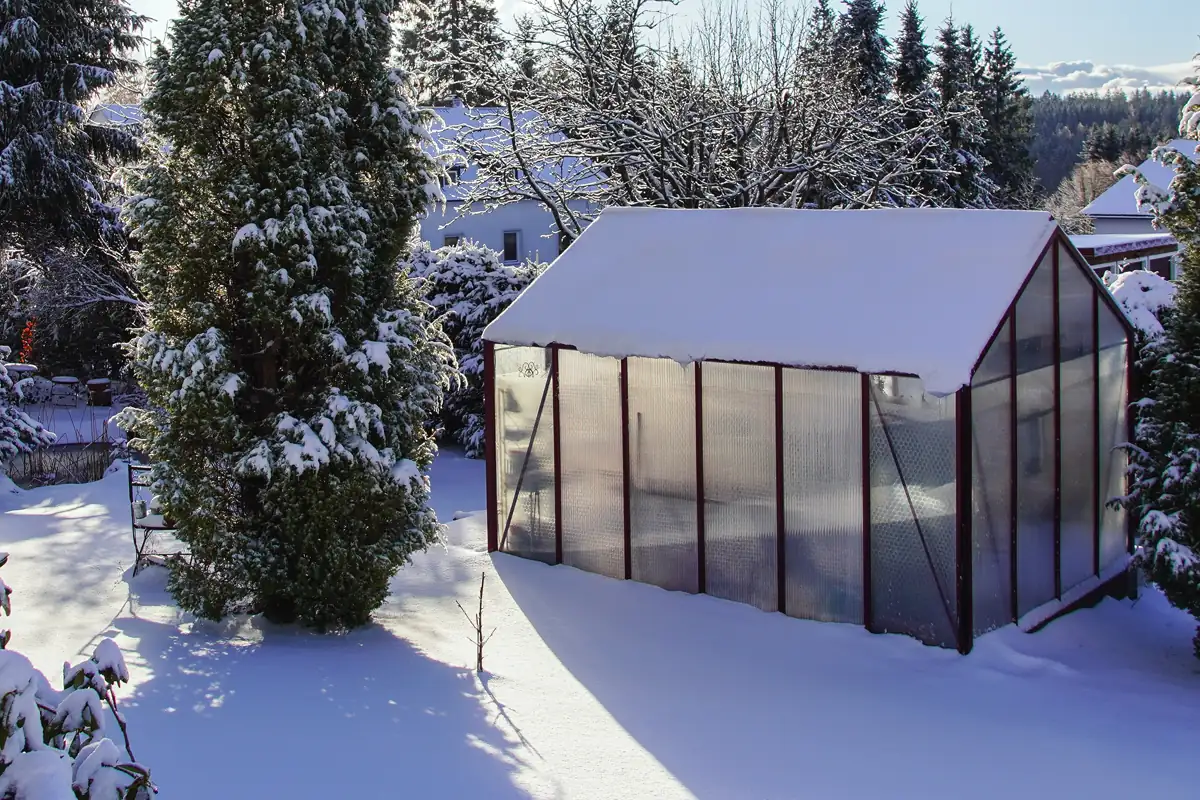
(555, 415)
(1056, 417)
(701, 565)
(780, 511)
(1098, 499)
(491, 447)
(626, 499)
(964, 550)
(963, 454)
(865, 411)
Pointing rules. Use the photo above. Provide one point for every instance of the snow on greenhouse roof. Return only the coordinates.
(1120, 199)
(915, 291)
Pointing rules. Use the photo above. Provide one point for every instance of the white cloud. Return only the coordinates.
(1077, 76)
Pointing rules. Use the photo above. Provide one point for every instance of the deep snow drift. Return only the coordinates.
(595, 688)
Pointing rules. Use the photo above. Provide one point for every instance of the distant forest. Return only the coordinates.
(1068, 129)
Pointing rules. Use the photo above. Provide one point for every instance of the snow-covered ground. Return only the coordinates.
(596, 688)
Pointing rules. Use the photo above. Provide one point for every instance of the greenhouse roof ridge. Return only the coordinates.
(912, 291)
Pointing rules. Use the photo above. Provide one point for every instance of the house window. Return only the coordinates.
(455, 174)
(451, 239)
(1161, 267)
(512, 246)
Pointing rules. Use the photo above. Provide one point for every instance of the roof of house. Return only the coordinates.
(1103, 244)
(1120, 200)
(116, 114)
(915, 291)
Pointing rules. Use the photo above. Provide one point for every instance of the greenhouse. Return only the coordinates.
(902, 419)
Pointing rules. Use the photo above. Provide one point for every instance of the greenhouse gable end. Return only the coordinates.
(904, 419)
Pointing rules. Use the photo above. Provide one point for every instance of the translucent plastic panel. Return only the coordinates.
(991, 485)
(1077, 398)
(913, 524)
(593, 506)
(1035, 440)
(662, 443)
(525, 451)
(822, 485)
(1113, 432)
(740, 527)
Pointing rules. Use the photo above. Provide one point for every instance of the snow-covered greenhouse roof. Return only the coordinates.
(1120, 199)
(915, 291)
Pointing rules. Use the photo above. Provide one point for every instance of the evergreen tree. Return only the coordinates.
(914, 88)
(1007, 114)
(1102, 144)
(972, 49)
(57, 214)
(468, 286)
(441, 44)
(953, 78)
(1165, 463)
(913, 67)
(291, 374)
(860, 41)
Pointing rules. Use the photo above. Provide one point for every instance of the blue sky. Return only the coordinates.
(1062, 44)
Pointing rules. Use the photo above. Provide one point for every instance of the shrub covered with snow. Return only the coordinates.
(468, 285)
(56, 745)
(19, 433)
(1165, 458)
(1144, 295)
(290, 376)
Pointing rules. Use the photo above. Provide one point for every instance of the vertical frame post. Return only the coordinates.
(865, 403)
(625, 474)
(1132, 389)
(964, 550)
(1014, 473)
(1057, 419)
(701, 577)
(555, 416)
(780, 514)
(1098, 497)
(491, 445)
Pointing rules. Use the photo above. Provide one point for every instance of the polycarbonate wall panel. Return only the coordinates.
(740, 526)
(991, 485)
(1077, 402)
(822, 484)
(662, 441)
(913, 523)
(590, 447)
(1035, 440)
(1113, 432)
(525, 471)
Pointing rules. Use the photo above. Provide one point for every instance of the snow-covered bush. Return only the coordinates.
(1165, 457)
(290, 376)
(468, 286)
(19, 433)
(1144, 296)
(56, 745)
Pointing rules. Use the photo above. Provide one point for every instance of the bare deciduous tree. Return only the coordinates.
(745, 110)
(1086, 182)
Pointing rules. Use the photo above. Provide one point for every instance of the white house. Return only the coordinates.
(1124, 233)
(520, 229)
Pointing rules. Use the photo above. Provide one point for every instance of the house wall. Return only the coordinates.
(537, 232)
(1106, 225)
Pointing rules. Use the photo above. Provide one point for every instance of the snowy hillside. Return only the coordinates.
(596, 688)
